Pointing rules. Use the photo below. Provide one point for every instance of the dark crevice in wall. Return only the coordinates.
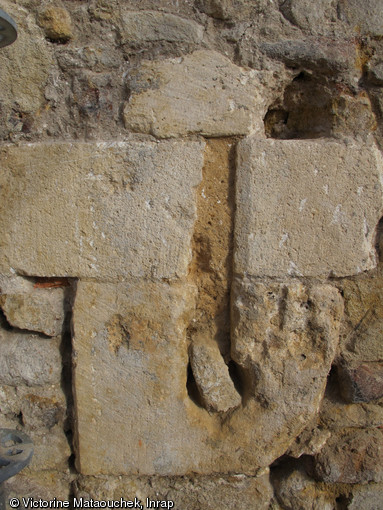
(314, 106)
(67, 366)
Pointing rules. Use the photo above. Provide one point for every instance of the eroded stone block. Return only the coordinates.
(340, 460)
(98, 210)
(361, 383)
(130, 378)
(31, 308)
(236, 492)
(203, 93)
(306, 208)
(29, 359)
(140, 27)
(212, 376)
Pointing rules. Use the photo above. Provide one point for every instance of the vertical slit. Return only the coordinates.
(213, 239)
(66, 376)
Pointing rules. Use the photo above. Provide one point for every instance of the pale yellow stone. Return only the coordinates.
(307, 207)
(130, 379)
(105, 210)
(203, 93)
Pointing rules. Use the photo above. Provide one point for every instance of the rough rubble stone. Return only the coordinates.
(309, 442)
(29, 359)
(302, 205)
(375, 74)
(188, 493)
(302, 13)
(41, 484)
(56, 22)
(140, 27)
(30, 308)
(201, 93)
(362, 383)
(363, 331)
(212, 376)
(130, 377)
(220, 9)
(351, 456)
(30, 63)
(368, 497)
(109, 210)
(51, 449)
(336, 415)
(365, 17)
(295, 490)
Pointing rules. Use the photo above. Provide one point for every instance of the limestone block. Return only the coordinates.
(212, 376)
(284, 338)
(29, 359)
(343, 455)
(31, 308)
(306, 208)
(130, 380)
(98, 210)
(140, 27)
(200, 93)
(236, 492)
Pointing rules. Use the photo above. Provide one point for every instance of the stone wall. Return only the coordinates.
(191, 267)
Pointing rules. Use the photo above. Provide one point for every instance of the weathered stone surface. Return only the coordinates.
(42, 407)
(29, 359)
(284, 339)
(30, 63)
(140, 27)
(31, 308)
(364, 17)
(368, 497)
(363, 328)
(375, 74)
(51, 449)
(220, 9)
(201, 93)
(41, 484)
(338, 415)
(189, 493)
(362, 383)
(302, 13)
(110, 211)
(310, 442)
(212, 376)
(354, 456)
(56, 22)
(131, 377)
(332, 202)
(40, 412)
(295, 490)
